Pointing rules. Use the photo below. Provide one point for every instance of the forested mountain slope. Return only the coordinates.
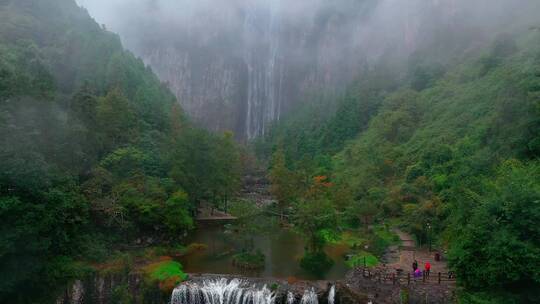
(94, 150)
(452, 155)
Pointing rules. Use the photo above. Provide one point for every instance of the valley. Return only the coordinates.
(269, 151)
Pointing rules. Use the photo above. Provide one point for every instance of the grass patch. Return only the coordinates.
(358, 260)
(166, 272)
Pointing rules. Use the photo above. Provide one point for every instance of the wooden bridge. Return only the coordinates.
(206, 213)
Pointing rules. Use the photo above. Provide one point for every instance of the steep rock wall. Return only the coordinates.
(241, 64)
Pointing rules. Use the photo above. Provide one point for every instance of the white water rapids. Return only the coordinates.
(235, 291)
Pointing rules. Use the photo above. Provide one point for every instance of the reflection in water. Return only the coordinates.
(282, 248)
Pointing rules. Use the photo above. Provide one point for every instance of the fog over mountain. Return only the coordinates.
(241, 64)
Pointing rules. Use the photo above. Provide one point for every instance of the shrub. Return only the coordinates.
(167, 273)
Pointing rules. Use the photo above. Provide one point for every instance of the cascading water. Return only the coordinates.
(332, 295)
(237, 291)
(264, 68)
(290, 298)
(309, 297)
(222, 292)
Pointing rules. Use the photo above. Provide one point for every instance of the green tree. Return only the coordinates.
(228, 168)
(125, 162)
(313, 219)
(193, 164)
(177, 215)
(39, 224)
(283, 182)
(499, 247)
(116, 119)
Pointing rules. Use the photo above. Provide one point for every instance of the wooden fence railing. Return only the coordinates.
(394, 277)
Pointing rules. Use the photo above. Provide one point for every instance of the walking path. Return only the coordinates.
(385, 284)
(408, 252)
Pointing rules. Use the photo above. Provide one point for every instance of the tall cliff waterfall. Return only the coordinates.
(236, 291)
(248, 67)
(264, 67)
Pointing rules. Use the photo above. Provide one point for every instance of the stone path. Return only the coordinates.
(409, 252)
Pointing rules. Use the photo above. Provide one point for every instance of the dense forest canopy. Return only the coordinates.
(95, 150)
(452, 154)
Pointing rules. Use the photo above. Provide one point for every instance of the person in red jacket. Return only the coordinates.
(427, 268)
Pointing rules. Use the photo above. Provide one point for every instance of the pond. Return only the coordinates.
(282, 248)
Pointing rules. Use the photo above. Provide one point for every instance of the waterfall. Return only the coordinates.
(331, 295)
(222, 292)
(290, 298)
(262, 28)
(237, 291)
(309, 297)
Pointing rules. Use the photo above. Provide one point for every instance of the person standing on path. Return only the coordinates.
(427, 268)
(414, 265)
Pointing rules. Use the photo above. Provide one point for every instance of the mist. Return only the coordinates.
(241, 64)
(371, 23)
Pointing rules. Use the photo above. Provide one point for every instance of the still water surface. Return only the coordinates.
(282, 248)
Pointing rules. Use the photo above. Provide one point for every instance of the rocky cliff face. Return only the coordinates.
(241, 64)
(250, 67)
(105, 289)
